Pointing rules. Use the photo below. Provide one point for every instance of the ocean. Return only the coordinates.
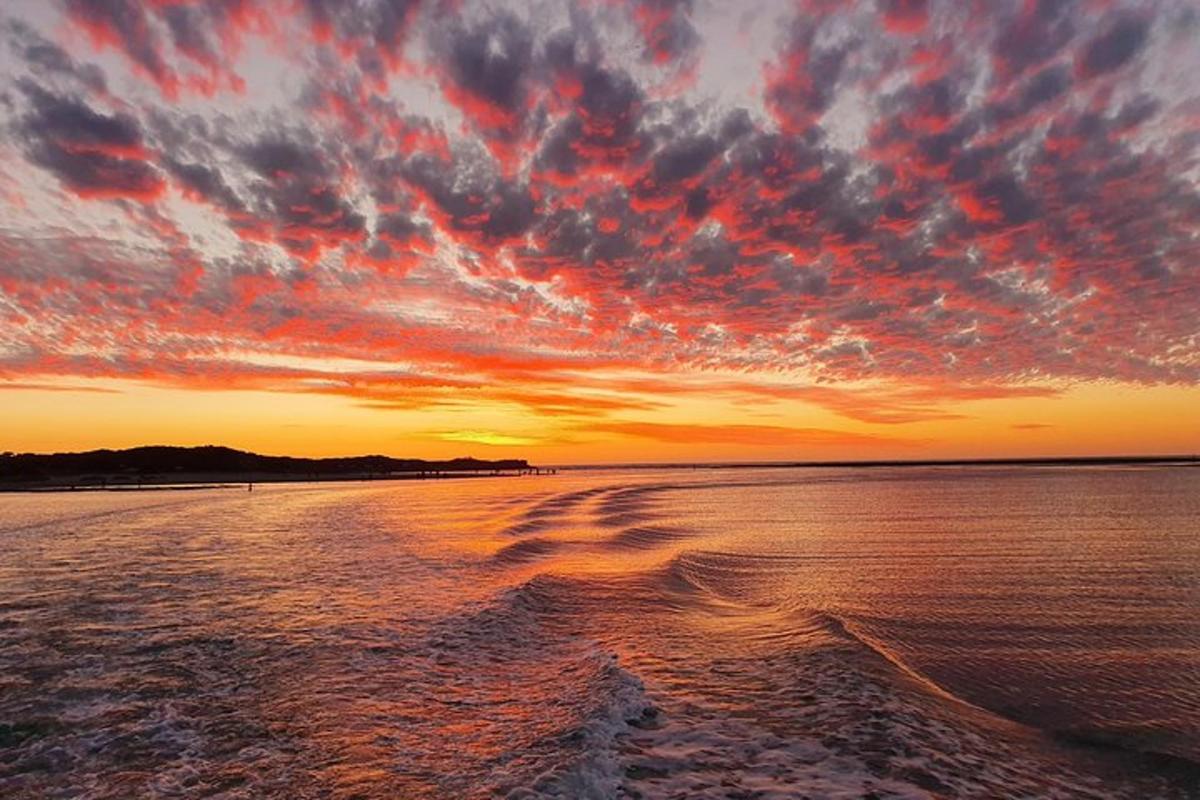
(888, 632)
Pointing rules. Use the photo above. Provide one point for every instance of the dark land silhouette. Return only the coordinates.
(190, 467)
(159, 466)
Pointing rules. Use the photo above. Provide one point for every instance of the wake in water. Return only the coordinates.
(724, 636)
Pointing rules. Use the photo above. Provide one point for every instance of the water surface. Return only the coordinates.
(886, 632)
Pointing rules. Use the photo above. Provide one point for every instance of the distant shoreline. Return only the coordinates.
(235, 482)
(157, 467)
(211, 480)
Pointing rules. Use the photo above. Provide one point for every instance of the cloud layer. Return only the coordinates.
(409, 203)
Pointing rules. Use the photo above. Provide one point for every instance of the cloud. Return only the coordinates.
(48, 60)
(1113, 48)
(487, 70)
(93, 154)
(667, 29)
(904, 16)
(958, 200)
(774, 435)
(298, 200)
(125, 26)
(16, 386)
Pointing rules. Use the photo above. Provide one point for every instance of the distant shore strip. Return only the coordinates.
(159, 467)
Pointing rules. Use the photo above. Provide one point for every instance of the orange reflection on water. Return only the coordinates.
(463, 638)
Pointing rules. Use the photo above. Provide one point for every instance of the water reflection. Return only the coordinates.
(608, 634)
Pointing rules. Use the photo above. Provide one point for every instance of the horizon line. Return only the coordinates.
(1110, 458)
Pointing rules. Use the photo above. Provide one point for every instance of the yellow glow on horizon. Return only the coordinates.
(490, 438)
(1086, 419)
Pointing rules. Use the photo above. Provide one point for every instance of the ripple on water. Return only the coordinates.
(711, 635)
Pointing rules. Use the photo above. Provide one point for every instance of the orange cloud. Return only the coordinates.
(772, 435)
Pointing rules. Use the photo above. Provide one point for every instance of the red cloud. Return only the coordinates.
(905, 16)
(1019, 211)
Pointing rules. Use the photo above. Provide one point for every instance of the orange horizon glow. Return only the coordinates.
(1086, 420)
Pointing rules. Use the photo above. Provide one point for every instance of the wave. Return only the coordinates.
(593, 768)
(776, 696)
(560, 697)
(720, 583)
(646, 537)
(623, 507)
(755, 599)
(525, 551)
(1153, 749)
(527, 526)
(551, 511)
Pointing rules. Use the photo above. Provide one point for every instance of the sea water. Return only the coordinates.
(727, 633)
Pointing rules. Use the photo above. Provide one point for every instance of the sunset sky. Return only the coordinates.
(610, 230)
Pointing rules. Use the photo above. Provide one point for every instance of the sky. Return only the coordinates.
(601, 231)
